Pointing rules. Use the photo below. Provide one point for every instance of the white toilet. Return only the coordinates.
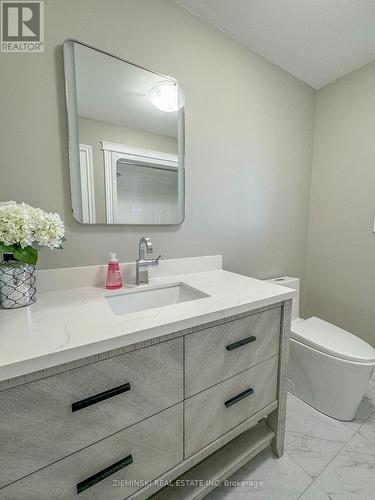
(329, 368)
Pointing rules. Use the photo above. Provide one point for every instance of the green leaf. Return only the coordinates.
(61, 246)
(28, 255)
(6, 248)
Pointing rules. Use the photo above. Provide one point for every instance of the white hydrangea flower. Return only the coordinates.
(25, 225)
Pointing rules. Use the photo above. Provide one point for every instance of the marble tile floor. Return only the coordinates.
(323, 459)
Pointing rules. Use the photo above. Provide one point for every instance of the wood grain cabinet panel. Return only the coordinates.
(215, 411)
(154, 445)
(222, 351)
(38, 426)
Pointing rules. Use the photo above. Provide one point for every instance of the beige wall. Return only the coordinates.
(341, 257)
(249, 134)
(93, 131)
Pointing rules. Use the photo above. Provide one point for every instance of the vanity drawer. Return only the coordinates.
(48, 419)
(144, 451)
(215, 411)
(217, 353)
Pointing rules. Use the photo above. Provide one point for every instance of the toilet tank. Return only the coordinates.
(290, 282)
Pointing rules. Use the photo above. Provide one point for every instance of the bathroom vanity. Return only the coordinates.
(98, 403)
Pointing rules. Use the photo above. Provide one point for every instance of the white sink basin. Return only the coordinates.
(150, 297)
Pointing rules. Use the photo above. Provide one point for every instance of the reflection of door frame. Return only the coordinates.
(86, 166)
(112, 152)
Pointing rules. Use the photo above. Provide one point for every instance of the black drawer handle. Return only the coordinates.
(100, 397)
(237, 398)
(240, 343)
(108, 471)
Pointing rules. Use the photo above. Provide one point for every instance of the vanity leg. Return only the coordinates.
(276, 419)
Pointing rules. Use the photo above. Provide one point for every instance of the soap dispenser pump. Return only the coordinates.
(113, 274)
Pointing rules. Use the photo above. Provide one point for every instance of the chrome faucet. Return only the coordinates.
(142, 264)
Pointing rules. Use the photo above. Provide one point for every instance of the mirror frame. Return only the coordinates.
(73, 136)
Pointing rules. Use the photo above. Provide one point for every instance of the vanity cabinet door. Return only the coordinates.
(215, 411)
(214, 354)
(48, 419)
(111, 469)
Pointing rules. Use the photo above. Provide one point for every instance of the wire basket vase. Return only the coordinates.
(17, 284)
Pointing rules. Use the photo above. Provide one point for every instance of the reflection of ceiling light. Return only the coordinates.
(164, 95)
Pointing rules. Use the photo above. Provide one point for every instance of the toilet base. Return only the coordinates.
(331, 385)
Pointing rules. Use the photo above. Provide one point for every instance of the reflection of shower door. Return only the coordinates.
(141, 185)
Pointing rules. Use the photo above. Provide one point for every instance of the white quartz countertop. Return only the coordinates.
(70, 324)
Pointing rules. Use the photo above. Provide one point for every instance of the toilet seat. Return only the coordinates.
(332, 340)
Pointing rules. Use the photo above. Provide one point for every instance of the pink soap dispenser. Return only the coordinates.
(113, 273)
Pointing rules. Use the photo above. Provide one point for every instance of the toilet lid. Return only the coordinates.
(333, 340)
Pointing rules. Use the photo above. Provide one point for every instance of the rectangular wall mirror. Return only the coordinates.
(126, 140)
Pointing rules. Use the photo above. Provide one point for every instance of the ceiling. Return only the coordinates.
(114, 91)
(317, 41)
